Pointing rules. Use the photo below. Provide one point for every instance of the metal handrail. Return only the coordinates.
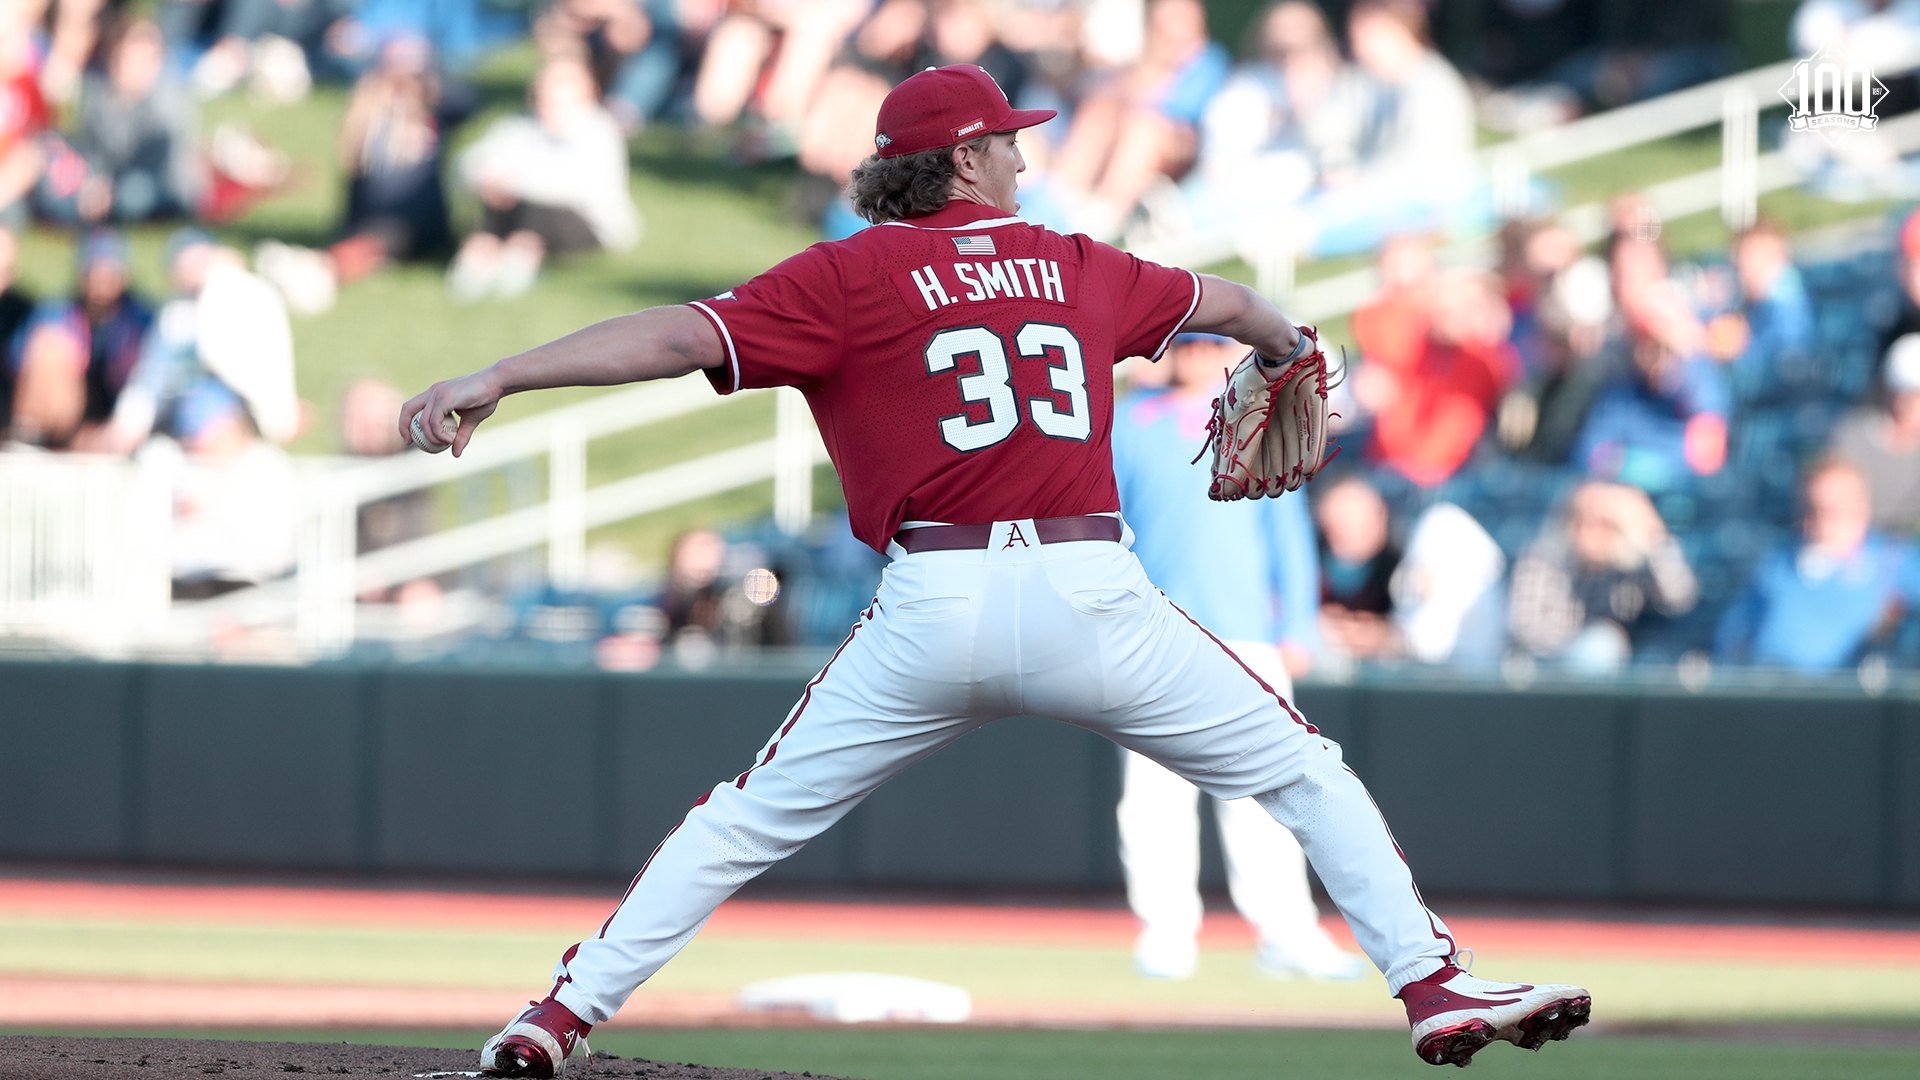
(1644, 121)
(607, 414)
(1341, 294)
(320, 597)
(1549, 148)
(526, 527)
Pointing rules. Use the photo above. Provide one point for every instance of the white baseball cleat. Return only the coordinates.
(1454, 1014)
(538, 1043)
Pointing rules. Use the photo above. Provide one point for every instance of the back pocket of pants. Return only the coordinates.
(931, 607)
(1107, 601)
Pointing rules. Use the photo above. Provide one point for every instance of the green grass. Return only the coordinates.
(710, 225)
(1234, 1055)
(1636, 989)
(985, 1054)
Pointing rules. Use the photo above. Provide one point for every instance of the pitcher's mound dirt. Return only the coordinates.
(35, 1057)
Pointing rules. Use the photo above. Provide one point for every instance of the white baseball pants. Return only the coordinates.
(1159, 819)
(957, 639)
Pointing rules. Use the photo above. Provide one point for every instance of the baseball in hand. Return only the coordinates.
(419, 433)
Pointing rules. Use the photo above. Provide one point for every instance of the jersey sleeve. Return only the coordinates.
(1150, 302)
(783, 328)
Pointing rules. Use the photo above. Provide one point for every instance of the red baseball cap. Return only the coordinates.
(944, 106)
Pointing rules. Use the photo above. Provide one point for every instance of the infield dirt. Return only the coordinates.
(32, 1057)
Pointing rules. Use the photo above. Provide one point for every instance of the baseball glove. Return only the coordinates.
(1269, 437)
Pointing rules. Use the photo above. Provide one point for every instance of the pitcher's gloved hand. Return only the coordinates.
(1269, 428)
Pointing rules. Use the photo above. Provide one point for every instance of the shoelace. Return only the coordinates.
(1463, 959)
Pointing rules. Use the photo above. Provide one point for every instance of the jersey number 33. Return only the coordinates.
(1062, 415)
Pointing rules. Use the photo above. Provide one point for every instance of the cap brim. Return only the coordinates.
(1026, 118)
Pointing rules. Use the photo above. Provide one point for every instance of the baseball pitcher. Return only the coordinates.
(959, 363)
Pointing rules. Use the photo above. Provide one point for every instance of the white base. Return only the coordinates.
(855, 997)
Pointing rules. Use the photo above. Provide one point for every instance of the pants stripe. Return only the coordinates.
(1452, 945)
(1264, 685)
(805, 697)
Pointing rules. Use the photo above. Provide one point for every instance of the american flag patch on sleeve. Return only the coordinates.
(974, 245)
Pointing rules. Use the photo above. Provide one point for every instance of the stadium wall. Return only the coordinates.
(1778, 797)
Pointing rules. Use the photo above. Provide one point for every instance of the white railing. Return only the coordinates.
(85, 548)
(85, 557)
(1651, 120)
(1340, 294)
(320, 597)
(1734, 102)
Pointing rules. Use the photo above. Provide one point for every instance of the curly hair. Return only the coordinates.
(888, 189)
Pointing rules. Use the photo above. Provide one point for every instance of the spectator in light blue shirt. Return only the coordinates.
(1163, 493)
(1665, 416)
(1247, 572)
(1774, 320)
(1820, 604)
(1138, 124)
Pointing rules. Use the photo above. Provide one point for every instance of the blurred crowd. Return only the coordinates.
(1581, 459)
(1590, 460)
(1162, 134)
(1575, 463)
(1339, 124)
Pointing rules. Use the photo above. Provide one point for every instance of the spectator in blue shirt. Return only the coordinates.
(460, 30)
(1774, 319)
(1155, 436)
(1140, 124)
(73, 356)
(1665, 416)
(1820, 604)
(1416, 171)
(1247, 572)
(1280, 126)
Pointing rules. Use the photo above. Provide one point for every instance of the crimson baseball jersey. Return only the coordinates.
(959, 365)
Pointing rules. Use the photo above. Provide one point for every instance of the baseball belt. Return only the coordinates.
(1053, 530)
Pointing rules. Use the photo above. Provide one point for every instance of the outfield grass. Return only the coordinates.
(1630, 988)
(984, 1054)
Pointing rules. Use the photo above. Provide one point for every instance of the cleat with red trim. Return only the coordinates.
(1454, 1014)
(537, 1044)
